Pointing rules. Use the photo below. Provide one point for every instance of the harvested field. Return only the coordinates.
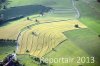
(42, 38)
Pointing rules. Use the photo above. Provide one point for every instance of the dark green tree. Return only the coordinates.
(98, 1)
(4, 3)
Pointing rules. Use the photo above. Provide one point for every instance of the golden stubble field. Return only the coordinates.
(42, 38)
(11, 30)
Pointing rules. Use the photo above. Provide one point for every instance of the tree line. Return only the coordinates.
(5, 40)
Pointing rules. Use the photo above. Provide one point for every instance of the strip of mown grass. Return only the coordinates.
(54, 3)
(80, 43)
(89, 16)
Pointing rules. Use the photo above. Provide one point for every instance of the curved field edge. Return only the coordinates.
(46, 29)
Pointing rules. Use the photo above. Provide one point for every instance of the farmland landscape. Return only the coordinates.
(55, 29)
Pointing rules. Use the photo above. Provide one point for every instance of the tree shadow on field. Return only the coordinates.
(24, 11)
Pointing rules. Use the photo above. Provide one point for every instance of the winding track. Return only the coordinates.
(78, 14)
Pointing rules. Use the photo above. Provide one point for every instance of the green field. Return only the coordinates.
(52, 3)
(6, 48)
(63, 9)
(90, 16)
(83, 42)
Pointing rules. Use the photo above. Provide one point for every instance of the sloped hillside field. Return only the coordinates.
(50, 32)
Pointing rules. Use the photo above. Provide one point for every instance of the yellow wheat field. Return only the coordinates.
(11, 31)
(42, 38)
